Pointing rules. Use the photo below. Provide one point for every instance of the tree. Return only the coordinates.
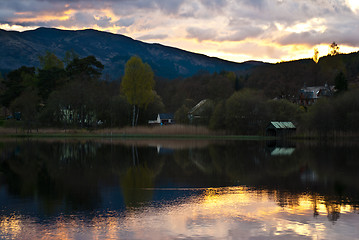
(316, 55)
(218, 118)
(329, 115)
(50, 60)
(283, 110)
(75, 104)
(27, 104)
(50, 80)
(181, 115)
(16, 82)
(119, 112)
(69, 57)
(2, 86)
(333, 49)
(151, 111)
(221, 86)
(321, 117)
(341, 82)
(137, 85)
(246, 112)
(88, 68)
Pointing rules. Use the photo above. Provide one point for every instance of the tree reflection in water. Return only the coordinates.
(53, 178)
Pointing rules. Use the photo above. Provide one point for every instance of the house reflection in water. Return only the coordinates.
(282, 151)
(280, 147)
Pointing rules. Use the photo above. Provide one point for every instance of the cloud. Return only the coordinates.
(242, 28)
(312, 38)
(169, 7)
(125, 21)
(91, 19)
(201, 34)
(257, 49)
(33, 6)
(259, 4)
(277, 23)
(153, 37)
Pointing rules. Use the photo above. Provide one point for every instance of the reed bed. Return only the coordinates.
(160, 130)
(166, 130)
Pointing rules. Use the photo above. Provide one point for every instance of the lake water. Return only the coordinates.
(178, 189)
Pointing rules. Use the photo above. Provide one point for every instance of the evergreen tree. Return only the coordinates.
(341, 82)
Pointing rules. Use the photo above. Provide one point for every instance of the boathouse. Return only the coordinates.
(280, 129)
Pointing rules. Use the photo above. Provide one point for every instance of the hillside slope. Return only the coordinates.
(113, 50)
(286, 78)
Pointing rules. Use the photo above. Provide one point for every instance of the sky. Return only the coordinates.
(236, 30)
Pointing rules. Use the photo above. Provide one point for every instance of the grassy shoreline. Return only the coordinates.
(157, 132)
(169, 132)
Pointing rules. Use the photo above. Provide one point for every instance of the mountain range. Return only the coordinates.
(113, 50)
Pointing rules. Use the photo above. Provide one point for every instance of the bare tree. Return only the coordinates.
(333, 49)
(316, 55)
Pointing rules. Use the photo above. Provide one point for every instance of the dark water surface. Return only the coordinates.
(178, 189)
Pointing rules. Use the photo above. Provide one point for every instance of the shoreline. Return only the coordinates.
(157, 132)
(75, 134)
(143, 132)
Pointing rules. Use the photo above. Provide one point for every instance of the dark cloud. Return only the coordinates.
(125, 22)
(215, 5)
(312, 38)
(5, 14)
(259, 4)
(90, 19)
(243, 33)
(169, 7)
(153, 37)
(201, 34)
(32, 6)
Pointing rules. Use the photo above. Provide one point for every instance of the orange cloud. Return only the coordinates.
(31, 17)
(249, 30)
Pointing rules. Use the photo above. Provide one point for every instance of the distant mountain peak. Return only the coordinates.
(113, 50)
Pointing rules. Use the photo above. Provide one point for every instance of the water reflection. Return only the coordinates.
(113, 189)
(280, 147)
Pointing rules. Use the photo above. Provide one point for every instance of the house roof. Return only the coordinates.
(282, 151)
(283, 125)
(314, 92)
(198, 106)
(166, 116)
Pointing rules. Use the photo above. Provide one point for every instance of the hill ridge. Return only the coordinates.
(113, 50)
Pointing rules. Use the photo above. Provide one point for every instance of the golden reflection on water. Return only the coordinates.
(10, 225)
(220, 213)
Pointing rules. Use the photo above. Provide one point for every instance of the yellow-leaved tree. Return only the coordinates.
(137, 85)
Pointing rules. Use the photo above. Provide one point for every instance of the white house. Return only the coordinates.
(163, 119)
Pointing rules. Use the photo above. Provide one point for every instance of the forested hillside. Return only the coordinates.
(113, 50)
(281, 80)
(287, 78)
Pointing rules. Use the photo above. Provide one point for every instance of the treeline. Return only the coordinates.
(246, 104)
(249, 111)
(71, 93)
(281, 80)
(284, 79)
(66, 93)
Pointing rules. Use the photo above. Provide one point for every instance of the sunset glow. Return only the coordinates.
(219, 213)
(233, 30)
